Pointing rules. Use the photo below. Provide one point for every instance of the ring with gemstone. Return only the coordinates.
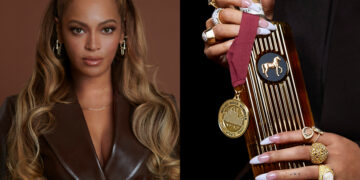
(318, 153)
(215, 16)
(209, 36)
(307, 132)
(325, 172)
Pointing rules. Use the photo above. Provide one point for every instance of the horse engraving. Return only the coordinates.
(274, 65)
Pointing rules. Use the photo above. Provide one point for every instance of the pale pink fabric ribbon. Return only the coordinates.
(239, 53)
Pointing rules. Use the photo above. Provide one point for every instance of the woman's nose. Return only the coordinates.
(92, 43)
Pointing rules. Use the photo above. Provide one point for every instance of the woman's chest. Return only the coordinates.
(100, 125)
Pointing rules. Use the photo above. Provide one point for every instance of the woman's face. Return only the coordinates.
(90, 31)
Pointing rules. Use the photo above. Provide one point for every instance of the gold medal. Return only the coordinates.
(233, 117)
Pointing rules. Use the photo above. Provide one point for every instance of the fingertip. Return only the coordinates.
(271, 26)
(255, 160)
(266, 141)
(262, 31)
(267, 25)
(256, 7)
(261, 177)
(246, 3)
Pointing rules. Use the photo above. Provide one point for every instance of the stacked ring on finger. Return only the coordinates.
(209, 36)
(325, 172)
(308, 132)
(319, 133)
(318, 153)
(215, 16)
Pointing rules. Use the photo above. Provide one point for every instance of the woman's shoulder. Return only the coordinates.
(7, 112)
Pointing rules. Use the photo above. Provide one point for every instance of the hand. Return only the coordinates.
(343, 156)
(229, 28)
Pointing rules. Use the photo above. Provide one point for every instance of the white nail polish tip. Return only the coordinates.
(261, 177)
(262, 31)
(255, 160)
(256, 7)
(271, 26)
(328, 176)
(266, 141)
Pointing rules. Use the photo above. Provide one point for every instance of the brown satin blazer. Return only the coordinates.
(68, 152)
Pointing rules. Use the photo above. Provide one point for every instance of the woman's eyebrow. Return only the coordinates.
(84, 24)
(107, 21)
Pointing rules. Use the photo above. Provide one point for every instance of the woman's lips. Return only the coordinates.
(91, 61)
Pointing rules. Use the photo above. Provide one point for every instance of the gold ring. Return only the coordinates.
(209, 36)
(317, 130)
(317, 138)
(307, 132)
(215, 16)
(325, 172)
(212, 3)
(318, 153)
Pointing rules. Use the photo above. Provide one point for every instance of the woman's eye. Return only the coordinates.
(77, 30)
(108, 30)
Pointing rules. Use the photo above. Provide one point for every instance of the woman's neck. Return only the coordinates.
(93, 91)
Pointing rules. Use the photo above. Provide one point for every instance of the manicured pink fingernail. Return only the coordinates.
(270, 176)
(246, 3)
(270, 140)
(266, 176)
(263, 23)
(260, 159)
(263, 31)
(261, 177)
(266, 24)
(274, 138)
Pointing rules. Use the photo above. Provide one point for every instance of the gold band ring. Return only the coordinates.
(212, 3)
(325, 172)
(317, 130)
(317, 138)
(318, 153)
(209, 36)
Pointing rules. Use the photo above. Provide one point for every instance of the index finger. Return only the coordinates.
(296, 137)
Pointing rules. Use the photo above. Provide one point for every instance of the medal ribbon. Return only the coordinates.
(239, 53)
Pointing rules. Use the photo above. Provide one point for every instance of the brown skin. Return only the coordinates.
(227, 31)
(92, 28)
(344, 154)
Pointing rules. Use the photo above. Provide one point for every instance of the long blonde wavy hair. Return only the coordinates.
(155, 121)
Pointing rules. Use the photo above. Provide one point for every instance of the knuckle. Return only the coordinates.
(206, 52)
(303, 151)
(224, 14)
(208, 23)
(218, 28)
(283, 137)
(273, 156)
(209, 51)
(225, 46)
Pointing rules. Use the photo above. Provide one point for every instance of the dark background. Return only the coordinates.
(206, 153)
(326, 40)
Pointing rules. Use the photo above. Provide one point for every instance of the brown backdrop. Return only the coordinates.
(19, 25)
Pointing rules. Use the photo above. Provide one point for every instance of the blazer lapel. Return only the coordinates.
(71, 142)
(128, 156)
